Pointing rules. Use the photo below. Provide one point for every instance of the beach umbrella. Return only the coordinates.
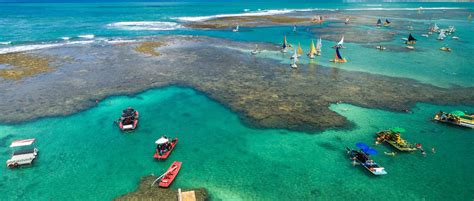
(362, 145)
(398, 130)
(458, 113)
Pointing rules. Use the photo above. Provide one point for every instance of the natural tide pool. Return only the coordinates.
(85, 157)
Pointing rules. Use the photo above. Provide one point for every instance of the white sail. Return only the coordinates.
(295, 56)
(319, 45)
(441, 35)
(341, 42)
(435, 27)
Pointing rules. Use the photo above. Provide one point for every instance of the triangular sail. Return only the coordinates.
(386, 21)
(435, 27)
(312, 49)
(341, 42)
(295, 56)
(338, 54)
(319, 45)
(441, 35)
(284, 43)
(300, 50)
(379, 22)
(411, 38)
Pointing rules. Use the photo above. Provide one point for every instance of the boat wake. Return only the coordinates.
(145, 25)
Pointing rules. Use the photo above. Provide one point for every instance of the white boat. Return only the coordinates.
(236, 29)
(295, 55)
(445, 49)
(455, 38)
(451, 29)
(255, 51)
(319, 45)
(347, 21)
(295, 59)
(441, 35)
(410, 47)
(425, 35)
(340, 44)
(24, 156)
(380, 47)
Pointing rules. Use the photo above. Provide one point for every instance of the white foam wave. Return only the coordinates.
(259, 13)
(87, 36)
(145, 25)
(23, 48)
(6, 43)
(403, 9)
(119, 41)
(65, 38)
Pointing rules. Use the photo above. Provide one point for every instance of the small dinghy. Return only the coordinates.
(380, 47)
(338, 58)
(362, 157)
(129, 119)
(167, 178)
(295, 59)
(425, 35)
(441, 35)
(445, 49)
(410, 47)
(455, 38)
(410, 40)
(312, 50)
(379, 23)
(255, 51)
(387, 23)
(164, 147)
(340, 44)
(236, 29)
(284, 46)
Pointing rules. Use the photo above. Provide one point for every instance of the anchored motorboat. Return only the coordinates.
(24, 155)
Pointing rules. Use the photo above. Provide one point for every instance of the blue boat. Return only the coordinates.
(362, 157)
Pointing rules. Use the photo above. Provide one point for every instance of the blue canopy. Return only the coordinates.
(370, 151)
(362, 145)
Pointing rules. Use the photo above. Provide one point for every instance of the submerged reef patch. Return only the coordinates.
(149, 47)
(23, 65)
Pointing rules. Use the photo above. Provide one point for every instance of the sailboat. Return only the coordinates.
(312, 50)
(295, 59)
(255, 51)
(411, 40)
(387, 23)
(340, 44)
(294, 28)
(236, 29)
(300, 50)
(338, 58)
(347, 21)
(441, 35)
(319, 45)
(379, 23)
(284, 46)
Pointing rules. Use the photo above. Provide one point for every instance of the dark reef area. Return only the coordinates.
(264, 92)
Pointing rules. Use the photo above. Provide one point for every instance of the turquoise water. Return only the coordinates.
(85, 157)
(23, 24)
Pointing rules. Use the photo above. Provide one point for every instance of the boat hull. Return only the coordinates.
(167, 154)
(168, 179)
(460, 123)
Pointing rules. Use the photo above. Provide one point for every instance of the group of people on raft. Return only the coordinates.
(163, 145)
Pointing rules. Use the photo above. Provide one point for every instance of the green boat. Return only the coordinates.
(393, 138)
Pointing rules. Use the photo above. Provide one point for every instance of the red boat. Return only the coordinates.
(170, 174)
(164, 147)
(128, 120)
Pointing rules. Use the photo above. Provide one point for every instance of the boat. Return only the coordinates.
(294, 28)
(317, 19)
(362, 157)
(387, 23)
(340, 44)
(295, 59)
(24, 154)
(347, 21)
(338, 58)
(455, 37)
(410, 40)
(451, 30)
(312, 50)
(445, 48)
(164, 147)
(129, 120)
(393, 137)
(441, 36)
(379, 23)
(300, 50)
(434, 28)
(319, 47)
(170, 175)
(456, 117)
(256, 50)
(380, 47)
(410, 47)
(425, 35)
(236, 29)
(284, 45)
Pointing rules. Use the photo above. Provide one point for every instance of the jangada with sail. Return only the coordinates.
(338, 58)
(340, 44)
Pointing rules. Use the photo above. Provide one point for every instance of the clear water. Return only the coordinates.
(85, 156)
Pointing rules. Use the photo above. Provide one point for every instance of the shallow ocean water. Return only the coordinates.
(85, 157)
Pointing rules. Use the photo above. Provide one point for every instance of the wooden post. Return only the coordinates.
(179, 195)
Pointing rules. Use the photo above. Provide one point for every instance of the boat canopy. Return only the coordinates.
(366, 149)
(458, 113)
(398, 130)
(162, 140)
(20, 143)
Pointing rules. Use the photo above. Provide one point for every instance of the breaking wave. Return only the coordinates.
(145, 25)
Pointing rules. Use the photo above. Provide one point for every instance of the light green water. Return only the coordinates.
(85, 156)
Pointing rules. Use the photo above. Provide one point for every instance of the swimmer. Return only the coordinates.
(390, 153)
(433, 150)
